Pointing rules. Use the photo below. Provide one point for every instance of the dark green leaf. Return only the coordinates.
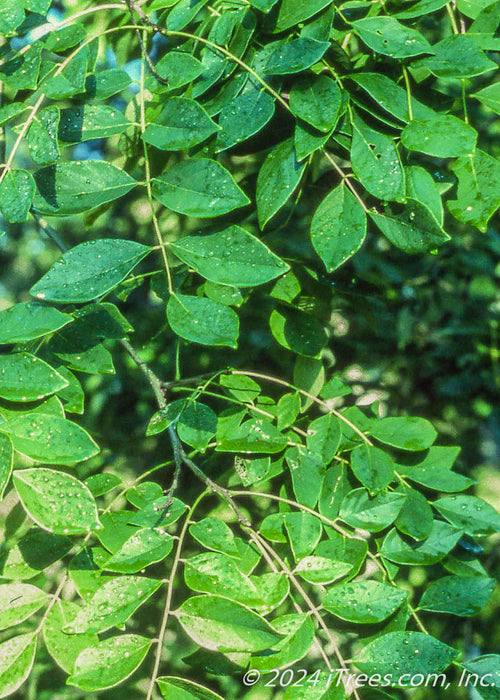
(412, 434)
(371, 513)
(458, 595)
(387, 36)
(478, 196)
(231, 256)
(338, 228)
(373, 467)
(16, 195)
(181, 124)
(442, 539)
(24, 377)
(469, 513)
(376, 163)
(443, 136)
(363, 602)
(200, 188)
(414, 652)
(457, 56)
(89, 270)
(76, 186)
(278, 178)
(203, 320)
(90, 122)
(28, 321)
(316, 100)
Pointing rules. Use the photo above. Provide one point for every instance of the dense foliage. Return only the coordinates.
(245, 242)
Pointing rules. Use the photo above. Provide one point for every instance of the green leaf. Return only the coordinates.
(375, 161)
(490, 96)
(413, 230)
(387, 36)
(178, 68)
(304, 531)
(49, 439)
(89, 270)
(392, 98)
(199, 187)
(323, 437)
(299, 631)
(316, 100)
(469, 513)
(486, 667)
(12, 16)
(16, 661)
(16, 195)
(405, 433)
(442, 136)
(181, 689)
(28, 321)
(69, 79)
(371, 513)
(106, 83)
(6, 460)
(321, 570)
(181, 124)
(307, 470)
(91, 121)
(203, 320)
(34, 552)
(338, 228)
(434, 471)
(24, 377)
(229, 296)
(65, 38)
(112, 604)
(478, 195)
(414, 652)
(42, 137)
(222, 625)
(293, 56)
(335, 487)
(18, 602)
(231, 256)
(297, 331)
(216, 573)
(342, 549)
(288, 410)
(109, 663)
(291, 12)
(243, 117)
(278, 178)
(373, 467)
(254, 435)
(458, 595)
(21, 72)
(196, 425)
(420, 186)
(183, 13)
(415, 518)
(456, 56)
(56, 501)
(363, 602)
(147, 546)
(77, 186)
(308, 140)
(442, 539)
(421, 8)
(65, 648)
(214, 534)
